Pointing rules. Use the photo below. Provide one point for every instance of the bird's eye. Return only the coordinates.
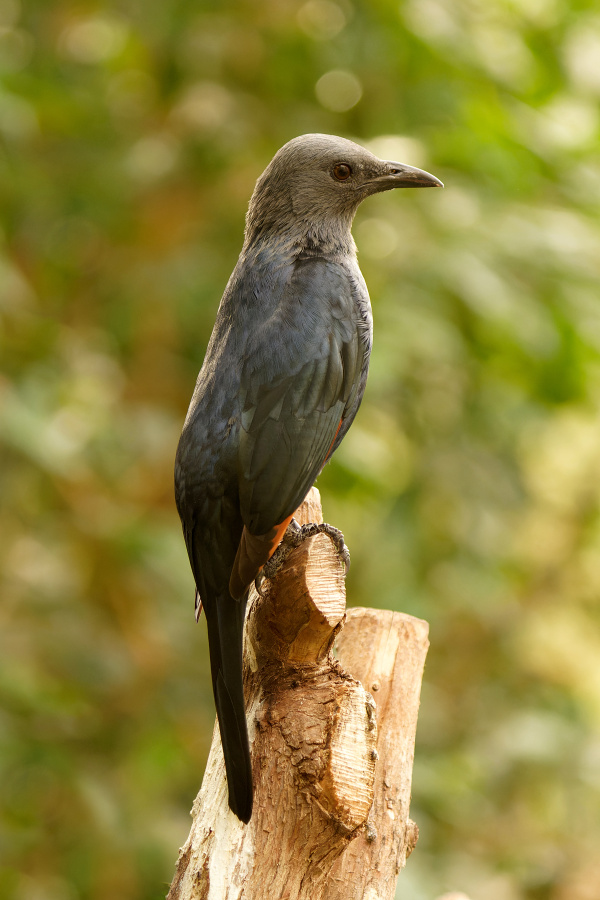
(342, 172)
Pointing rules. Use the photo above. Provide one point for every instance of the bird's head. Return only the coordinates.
(316, 182)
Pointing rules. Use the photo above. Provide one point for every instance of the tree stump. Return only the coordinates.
(332, 744)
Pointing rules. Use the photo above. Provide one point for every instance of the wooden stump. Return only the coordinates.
(332, 746)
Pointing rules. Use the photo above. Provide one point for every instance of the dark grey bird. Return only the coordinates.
(282, 379)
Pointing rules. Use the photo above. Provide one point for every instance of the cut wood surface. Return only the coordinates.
(386, 651)
(332, 744)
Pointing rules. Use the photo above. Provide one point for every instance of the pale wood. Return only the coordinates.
(386, 651)
(318, 758)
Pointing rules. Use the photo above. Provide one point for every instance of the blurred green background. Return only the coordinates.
(131, 134)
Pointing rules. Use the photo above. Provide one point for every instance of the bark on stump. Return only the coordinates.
(332, 746)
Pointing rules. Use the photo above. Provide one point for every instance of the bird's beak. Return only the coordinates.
(398, 175)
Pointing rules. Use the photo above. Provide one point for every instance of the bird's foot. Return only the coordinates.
(294, 535)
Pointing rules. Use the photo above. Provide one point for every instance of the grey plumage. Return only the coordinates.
(282, 380)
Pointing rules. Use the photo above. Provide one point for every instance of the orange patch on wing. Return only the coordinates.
(279, 533)
(333, 442)
(252, 553)
(255, 549)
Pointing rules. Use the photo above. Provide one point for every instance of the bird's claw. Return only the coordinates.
(334, 534)
(294, 535)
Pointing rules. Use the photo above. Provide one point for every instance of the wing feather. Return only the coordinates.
(298, 382)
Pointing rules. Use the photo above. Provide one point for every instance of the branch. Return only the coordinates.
(319, 762)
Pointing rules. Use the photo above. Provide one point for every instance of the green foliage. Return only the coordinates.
(131, 135)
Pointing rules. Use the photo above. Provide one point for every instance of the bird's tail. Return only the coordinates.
(226, 633)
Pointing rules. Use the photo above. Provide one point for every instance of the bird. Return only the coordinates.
(282, 379)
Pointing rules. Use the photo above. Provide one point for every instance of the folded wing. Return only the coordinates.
(299, 384)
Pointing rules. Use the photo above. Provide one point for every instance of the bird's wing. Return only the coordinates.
(299, 380)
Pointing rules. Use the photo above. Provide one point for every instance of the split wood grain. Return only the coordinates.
(331, 764)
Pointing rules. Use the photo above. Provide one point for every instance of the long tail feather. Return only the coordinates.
(226, 631)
